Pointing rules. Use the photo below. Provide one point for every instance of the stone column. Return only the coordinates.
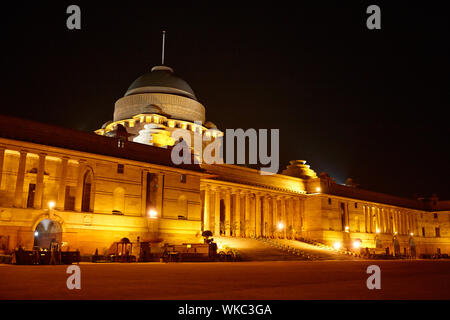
(275, 216)
(206, 210)
(40, 182)
(298, 223)
(290, 219)
(265, 215)
(62, 184)
(365, 218)
(247, 214)
(284, 217)
(397, 227)
(217, 212)
(79, 195)
(160, 195)
(144, 212)
(258, 217)
(227, 211)
(18, 194)
(237, 214)
(2, 157)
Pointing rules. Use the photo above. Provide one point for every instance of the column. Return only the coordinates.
(40, 182)
(395, 221)
(290, 217)
(265, 215)
(237, 214)
(144, 212)
(298, 215)
(79, 196)
(365, 218)
(62, 184)
(284, 217)
(217, 212)
(258, 215)
(275, 215)
(247, 214)
(2, 157)
(206, 210)
(160, 195)
(18, 195)
(227, 212)
(378, 210)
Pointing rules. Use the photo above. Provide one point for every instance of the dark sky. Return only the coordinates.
(366, 104)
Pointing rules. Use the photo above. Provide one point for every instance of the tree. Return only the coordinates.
(207, 234)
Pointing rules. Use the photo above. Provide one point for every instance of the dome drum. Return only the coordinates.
(168, 105)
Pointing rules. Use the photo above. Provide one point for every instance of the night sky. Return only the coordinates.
(359, 103)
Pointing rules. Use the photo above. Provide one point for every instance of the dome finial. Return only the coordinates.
(163, 45)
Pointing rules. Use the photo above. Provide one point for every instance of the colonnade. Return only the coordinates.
(240, 212)
(60, 196)
(387, 220)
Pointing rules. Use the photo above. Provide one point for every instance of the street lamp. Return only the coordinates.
(280, 226)
(356, 244)
(337, 245)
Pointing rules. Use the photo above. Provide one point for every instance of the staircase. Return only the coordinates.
(264, 249)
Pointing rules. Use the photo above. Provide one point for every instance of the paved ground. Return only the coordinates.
(242, 280)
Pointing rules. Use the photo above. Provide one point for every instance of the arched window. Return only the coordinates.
(119, 200)
(87, 191)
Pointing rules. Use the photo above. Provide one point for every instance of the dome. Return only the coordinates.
(161, 80)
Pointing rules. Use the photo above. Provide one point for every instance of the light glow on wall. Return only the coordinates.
(152, 214)
(51, 204)
(280, 226)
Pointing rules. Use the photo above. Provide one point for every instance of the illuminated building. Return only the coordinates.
(89, 190)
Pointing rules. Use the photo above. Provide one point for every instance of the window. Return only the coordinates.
(356, 205)
(119, 200)
(438, 232)
(329, 201)
(120, 168)
(183, 178)
(423, 231)
(86, 195)
(69, 200)
(182, 208)
(152, 191)
(435, 215)
(31, 193)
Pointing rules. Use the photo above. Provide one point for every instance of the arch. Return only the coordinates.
(46, 232)
(53, 217)
(119, 199)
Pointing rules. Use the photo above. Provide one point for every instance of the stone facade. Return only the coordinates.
(96, 189)
(228, 200)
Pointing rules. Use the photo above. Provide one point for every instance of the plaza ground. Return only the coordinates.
(419, 279)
